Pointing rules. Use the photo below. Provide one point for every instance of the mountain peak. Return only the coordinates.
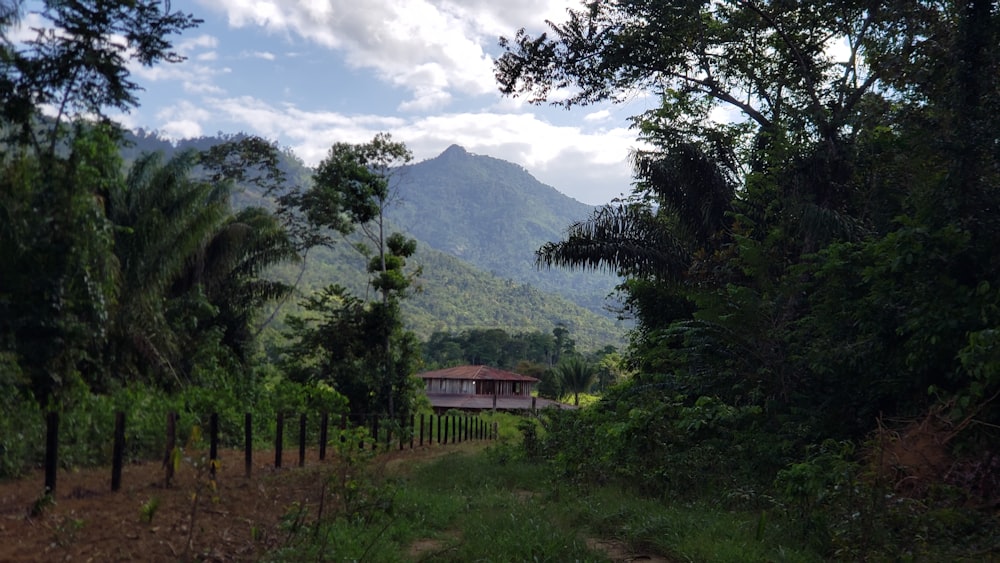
(454, 151)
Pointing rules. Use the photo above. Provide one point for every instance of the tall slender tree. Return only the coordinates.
(353, 188)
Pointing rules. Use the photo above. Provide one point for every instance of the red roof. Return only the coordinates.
(481, 373)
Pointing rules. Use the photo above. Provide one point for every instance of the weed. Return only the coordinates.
(148, 510)
(66, 531)
(41, 504)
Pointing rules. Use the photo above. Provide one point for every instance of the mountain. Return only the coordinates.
(494, 215)
(478, 221)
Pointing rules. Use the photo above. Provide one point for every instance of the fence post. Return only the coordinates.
(388, 434)
(413, 429)
(51, 451)
(118, 451)
(374, 431)
(248, 444)
(402, 433)
(454, 429)
(168, 460)
(421, 430)
(213, 448)
(324, 422)
(279, 434)
(445, 428)
(302, 440)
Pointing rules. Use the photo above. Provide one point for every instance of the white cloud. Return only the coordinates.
(193, 77)
(590, 166)
(180, 129)
(263, 55)
(182, 120)
(601, 115)
(400, 40)
(203, 41)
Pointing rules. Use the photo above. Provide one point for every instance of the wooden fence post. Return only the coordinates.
(421, 430)
(168, 459)
(324, 422)
(302, 440)
(413, 429)
(279, 435)
(248, 444)
(402, 433)
(51, 451)
(446, 417)
(118, 452)
(213, 448)
(374, 431)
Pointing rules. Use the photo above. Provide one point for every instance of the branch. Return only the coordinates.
(711, 89)
(811, 85)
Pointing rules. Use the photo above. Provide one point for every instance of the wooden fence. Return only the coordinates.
(419, 432)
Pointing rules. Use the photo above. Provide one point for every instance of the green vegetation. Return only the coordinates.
(456, 291)
(814, 369)
(495, 505)
(358, 345)
(815, 284)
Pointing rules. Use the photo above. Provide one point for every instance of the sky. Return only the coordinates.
(309, 73)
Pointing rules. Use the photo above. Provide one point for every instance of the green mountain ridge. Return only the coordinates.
(478, 221)
(493, 214)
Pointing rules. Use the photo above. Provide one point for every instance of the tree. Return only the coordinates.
(739, 237)
(187, 266)
(56, 256)
(57, 271)
(576, 376)
(79, 65)
(353, 187)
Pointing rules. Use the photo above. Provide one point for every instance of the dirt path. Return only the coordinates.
(146, 521)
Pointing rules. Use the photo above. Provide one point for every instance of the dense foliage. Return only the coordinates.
(816, 283)
(126, 286)
(358, 345)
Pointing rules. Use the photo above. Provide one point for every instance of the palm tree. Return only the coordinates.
(162, 218)
(680, 205)
(229, 271)
(576, 375)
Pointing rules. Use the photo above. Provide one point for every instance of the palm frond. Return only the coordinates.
(628, 239)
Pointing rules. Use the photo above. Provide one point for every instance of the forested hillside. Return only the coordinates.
(479, 221)
(494, 215)
(452, 296)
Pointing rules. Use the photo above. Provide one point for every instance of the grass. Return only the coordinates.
(485, 505)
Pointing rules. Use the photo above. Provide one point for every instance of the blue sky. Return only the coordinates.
(309, 73)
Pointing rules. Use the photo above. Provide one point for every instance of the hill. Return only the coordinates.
(478, 221)
(493, 214)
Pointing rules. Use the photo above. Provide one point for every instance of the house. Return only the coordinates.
(475, 388)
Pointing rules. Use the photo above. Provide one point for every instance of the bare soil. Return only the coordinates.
(237, 521)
